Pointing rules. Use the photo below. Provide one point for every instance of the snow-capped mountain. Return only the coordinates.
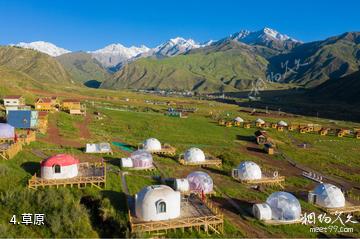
(115, 54)
(173, 47)
(44, 47)
(266, 37)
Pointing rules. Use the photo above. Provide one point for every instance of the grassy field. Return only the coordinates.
(92, 212)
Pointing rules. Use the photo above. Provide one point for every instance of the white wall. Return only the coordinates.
(146, 209)
(66, 172)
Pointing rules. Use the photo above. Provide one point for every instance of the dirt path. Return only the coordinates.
(84, 132)
(53, 137)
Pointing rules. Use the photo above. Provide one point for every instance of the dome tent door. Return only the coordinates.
(57, 168)
(160, 206)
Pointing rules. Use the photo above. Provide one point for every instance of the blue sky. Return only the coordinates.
(89, 25)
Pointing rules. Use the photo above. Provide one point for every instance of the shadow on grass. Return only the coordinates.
(244, 208)
(112, 161)
(31, 167)
(216, 171)
(256, 150)
(246, 138)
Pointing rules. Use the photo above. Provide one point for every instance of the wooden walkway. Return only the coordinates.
(209, 161)
(276, 181)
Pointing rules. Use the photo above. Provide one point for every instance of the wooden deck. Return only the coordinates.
(166, 150)
(90, 174)
(195, 214)
(27, 137)
(9, 150)
(268, 181)
(210, 161)
(348, 209)
(278, 223)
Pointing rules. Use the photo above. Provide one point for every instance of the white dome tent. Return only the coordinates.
(259, 121)
(200, 182)
(139, 159)
(60, 166)
(194, 155)
(247, 170)
(152, 144)
(284, 206)
(328, 196)
(239, 119)
(157, 202)
(282, 123)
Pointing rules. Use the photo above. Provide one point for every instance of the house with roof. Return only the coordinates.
(23, 119)
(46, 104)
(73, 106)
(14, 101)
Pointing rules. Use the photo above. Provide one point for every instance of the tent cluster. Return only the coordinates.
(283, 206)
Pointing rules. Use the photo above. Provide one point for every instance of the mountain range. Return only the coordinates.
(232, 63)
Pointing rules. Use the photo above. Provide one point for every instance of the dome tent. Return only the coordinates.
(200, 182)
(260, 121)
(60, 166)
(329, 196)
(152, 144)
(194, 155)
(284, 206)
(7, 131)
(157, 202)
(247, 170)
(239, 119)
(142, 159)
(282, 123)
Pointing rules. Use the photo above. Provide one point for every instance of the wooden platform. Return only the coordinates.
(195, 214)
(27, 137)
(277, 181)
(166, 150)
(90, 174)
(9, 150)
(348, 209)
(277, 222)
(210, 161)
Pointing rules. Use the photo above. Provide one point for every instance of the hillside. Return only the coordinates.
(319, 61)
(39, 66)
(229, 67)
(83, 68)
(345, 89)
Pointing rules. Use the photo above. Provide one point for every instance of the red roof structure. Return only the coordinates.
(59, 159)
(13, 97)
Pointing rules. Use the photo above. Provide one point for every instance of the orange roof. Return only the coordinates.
(45, 100)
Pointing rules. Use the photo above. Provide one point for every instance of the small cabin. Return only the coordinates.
(23, 119)
(71, 104)
(46, 104)
(269, 148)
(14, 100)
(247, 125)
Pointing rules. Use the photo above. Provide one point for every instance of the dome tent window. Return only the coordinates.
(160, 206)
(57, 168)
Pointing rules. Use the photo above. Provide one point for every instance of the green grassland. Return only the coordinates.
(90, 212)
